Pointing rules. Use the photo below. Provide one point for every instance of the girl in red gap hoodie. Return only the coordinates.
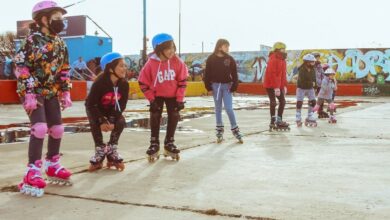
(163, 79)
(275, 83)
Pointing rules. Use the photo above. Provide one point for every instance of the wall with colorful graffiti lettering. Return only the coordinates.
(351, 65)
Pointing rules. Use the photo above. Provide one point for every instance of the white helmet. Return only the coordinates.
(309, 57)
(330, 71)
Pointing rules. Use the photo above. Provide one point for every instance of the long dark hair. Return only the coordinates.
(166, 45)
(219, 44)
(110, 67)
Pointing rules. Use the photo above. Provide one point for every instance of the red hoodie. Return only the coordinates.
(166, 79)
(276, 72)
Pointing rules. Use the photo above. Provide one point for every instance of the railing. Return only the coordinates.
(81, 75)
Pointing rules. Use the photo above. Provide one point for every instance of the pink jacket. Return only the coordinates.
(163, 78)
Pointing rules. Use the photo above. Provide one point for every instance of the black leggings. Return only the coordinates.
(272, 100)
(120, 124)
(155, 117)
(48, 115)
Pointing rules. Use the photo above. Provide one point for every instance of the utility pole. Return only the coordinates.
(179, 28)
(144, 50)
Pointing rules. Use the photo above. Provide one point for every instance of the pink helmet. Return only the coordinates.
(46, 6)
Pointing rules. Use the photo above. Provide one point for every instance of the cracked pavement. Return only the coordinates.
(336, 171)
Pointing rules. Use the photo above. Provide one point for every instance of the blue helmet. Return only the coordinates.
(108, 58)
(160, 39)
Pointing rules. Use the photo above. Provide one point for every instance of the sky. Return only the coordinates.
(301, 24)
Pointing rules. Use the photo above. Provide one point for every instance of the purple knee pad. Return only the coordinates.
(39, 130)
(56, 131)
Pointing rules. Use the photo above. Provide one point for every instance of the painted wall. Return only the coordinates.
(352, 65)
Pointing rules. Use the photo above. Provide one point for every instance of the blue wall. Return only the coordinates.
(88, 47)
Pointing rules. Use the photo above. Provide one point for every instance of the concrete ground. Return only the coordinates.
(339, 171)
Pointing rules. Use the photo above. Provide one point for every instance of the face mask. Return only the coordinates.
(56, 26)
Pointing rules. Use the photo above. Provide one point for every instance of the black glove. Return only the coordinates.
(154, 107)
(179, 106)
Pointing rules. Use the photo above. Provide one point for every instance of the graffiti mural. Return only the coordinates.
(351, 65)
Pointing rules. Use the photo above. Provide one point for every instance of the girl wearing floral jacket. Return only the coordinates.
(43, 84)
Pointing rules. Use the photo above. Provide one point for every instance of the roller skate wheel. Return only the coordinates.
(120, 166)
(33, 192)
(94, 167)
(22, 189)
(62, 183)
(152, 158)
(27, 191)
(40, 193)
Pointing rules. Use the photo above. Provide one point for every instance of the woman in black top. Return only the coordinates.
(105, 104)
(221, 81)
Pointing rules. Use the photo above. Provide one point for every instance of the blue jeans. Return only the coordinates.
(221, 92)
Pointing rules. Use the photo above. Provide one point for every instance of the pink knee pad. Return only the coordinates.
(39, 130)
(332, 106)
(56, 131)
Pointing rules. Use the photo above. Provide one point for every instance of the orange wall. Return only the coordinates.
(79, 90)
(8, 93)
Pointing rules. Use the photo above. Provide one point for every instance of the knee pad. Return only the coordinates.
(56, 131)
(332, 106)
(273, 103)
(39, 130)
(174, 114)
(154, 107)
(312, 103)
(316, 108)
(299, 104)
